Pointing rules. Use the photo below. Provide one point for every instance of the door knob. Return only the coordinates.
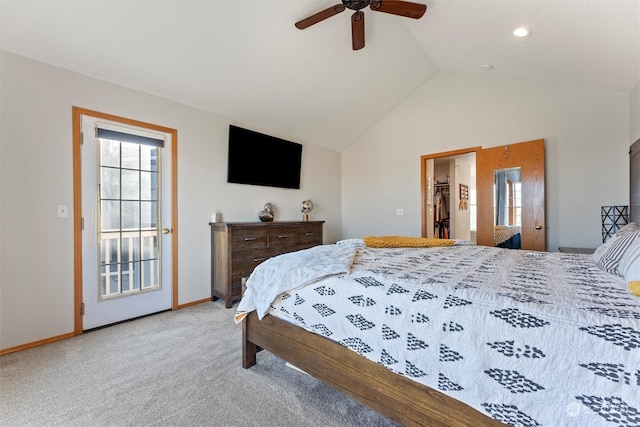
(166, 231)
(538, 227)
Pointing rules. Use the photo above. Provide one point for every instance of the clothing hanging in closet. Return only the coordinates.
(440, 204)
(441, 213)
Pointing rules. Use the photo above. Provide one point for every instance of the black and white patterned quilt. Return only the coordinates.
(529, 338)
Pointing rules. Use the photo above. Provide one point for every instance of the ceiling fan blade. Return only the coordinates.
(357, 30)
(320, 16)
(402, 8)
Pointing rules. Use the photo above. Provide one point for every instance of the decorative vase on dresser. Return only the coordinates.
(238, 247)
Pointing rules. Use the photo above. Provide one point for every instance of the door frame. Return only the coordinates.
(423, 177)
(77, 112)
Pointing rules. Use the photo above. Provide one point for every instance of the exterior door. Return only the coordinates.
(526, 161)
(127, 194)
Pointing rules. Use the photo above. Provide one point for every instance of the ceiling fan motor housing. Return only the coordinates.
(356, 4)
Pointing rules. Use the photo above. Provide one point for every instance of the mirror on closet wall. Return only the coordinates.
(511, 196)
(507, 208)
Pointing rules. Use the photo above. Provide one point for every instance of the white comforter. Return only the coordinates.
(528, 338)
(290, 271)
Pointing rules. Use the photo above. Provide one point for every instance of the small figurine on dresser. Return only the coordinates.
(307, 206)
(266, 214)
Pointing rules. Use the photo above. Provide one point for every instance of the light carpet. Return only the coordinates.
(178, 368)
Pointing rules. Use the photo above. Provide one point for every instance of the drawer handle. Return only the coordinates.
(258, 259)
(247, 239)
(309, 234)
(282, 236)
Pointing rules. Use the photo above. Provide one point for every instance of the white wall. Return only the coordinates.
(36, 174)
(461, 226)
(587, 141)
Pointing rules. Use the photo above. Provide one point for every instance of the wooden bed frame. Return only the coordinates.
(396, 397)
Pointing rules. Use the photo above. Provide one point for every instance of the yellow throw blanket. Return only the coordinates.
(405, 242)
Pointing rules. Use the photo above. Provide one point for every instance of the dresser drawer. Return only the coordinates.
(283, 236)
(248, 238)
(243, 263)
(310, 234)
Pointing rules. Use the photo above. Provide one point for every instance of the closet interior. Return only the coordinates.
(452, 205)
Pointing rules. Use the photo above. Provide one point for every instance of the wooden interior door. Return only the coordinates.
(529, 157)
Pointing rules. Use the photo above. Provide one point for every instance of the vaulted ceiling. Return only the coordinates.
(245, 60)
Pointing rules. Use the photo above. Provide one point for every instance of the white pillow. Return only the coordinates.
(609, 261)
(629, 267)
(629, 228)
(602, 249)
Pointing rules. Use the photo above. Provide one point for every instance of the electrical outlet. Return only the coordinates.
(63, 211)
(399, 211)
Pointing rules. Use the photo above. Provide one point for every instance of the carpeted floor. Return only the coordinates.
(178, 368)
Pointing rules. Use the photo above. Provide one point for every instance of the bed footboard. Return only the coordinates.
(398, 398)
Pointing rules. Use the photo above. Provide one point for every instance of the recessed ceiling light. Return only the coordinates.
(486, 67)
(522, 32)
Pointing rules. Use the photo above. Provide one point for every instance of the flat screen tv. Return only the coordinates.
(259, 159)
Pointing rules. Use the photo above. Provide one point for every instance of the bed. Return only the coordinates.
(551, 338)
(488, 327)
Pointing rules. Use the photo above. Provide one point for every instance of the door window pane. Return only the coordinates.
(148, 185)
(110, 214)
(136, 253)
(149, 247)
(130, 215)
(148, 158)
(110, 183)
(110, 153)
(136, 275)
(148, 214)
(130, 155)
(149, 273)
(130, 184)
(110, 279)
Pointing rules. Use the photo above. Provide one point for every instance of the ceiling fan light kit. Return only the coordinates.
(394, 7)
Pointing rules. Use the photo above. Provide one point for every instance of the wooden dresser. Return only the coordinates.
(238, 247)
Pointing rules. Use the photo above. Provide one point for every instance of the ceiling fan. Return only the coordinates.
(395, 7)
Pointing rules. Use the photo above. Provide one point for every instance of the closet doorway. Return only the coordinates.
(448, 190)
